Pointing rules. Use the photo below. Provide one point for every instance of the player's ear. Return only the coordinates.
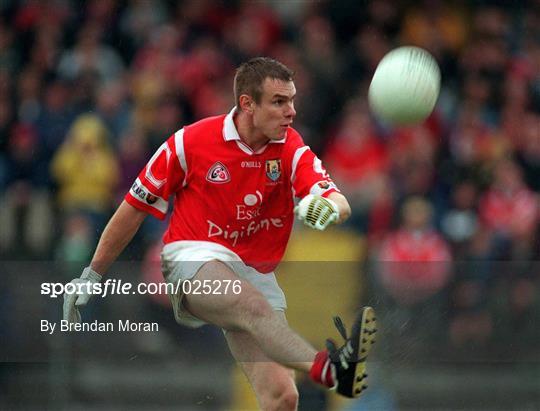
(246, 103)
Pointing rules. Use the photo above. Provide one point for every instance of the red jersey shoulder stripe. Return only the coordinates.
(180, 153)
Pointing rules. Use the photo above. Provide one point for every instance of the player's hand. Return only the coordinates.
(72, 302)
(317, 212)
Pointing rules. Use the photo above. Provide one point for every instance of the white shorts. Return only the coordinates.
(181, 260)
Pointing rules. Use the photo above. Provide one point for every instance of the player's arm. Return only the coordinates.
(319, 212)
(149, 194)
(117, 234)
(344, 209)
(321, 202)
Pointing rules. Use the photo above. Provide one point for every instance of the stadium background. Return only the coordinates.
(88, 90)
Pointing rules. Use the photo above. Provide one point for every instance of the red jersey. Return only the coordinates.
(226, 193)
(414, 264)
(514, 212)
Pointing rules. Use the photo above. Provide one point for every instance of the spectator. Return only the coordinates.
(91, 55)
(132, 157)
(319, 55)
(25, 209)
(435, 26)
(7, 117)
(86, 171)
(76, 244)
(9, 54)
(509, 210)
(415, 259)
(29, 85)
(412, 153)
(358, 159)
(460, 222)
(528, 150)
(55, 117)
(113, 108)
(139, 21)
(412, 272)
(161, 56)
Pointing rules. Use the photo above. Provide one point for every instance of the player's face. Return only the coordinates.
(275, 112)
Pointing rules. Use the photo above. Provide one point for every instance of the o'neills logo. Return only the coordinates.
(218, 174)
(251, 164)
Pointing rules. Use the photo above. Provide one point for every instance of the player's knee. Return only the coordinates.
(288, 400)
(284, 398)
(254, 307)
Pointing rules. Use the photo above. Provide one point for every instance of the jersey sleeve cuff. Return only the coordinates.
(327, 193)
(144, 207)
(323, 188)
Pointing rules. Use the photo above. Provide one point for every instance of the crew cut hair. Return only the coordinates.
(251, 74)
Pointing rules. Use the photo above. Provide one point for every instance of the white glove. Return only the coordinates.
(317, 212)
(72, 302)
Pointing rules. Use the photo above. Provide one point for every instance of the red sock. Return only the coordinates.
(322, 370)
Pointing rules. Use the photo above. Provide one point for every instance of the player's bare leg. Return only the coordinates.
(273, 383)
(343, 368)
(251, 313)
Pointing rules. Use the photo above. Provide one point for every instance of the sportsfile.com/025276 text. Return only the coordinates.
(119, 287)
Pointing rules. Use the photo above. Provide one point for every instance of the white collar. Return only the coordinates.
(230, 133)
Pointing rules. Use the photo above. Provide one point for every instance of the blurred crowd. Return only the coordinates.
(88, 90)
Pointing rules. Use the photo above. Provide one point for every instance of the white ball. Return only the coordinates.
(405, 86)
